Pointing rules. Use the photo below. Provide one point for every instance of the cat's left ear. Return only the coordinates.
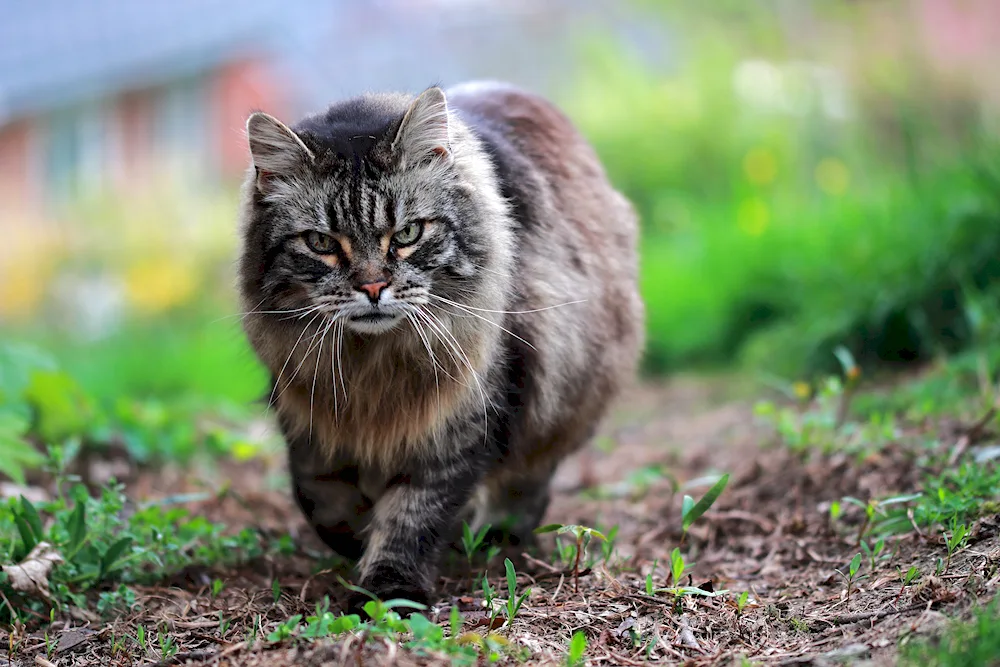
(424, 133)
(275, 148)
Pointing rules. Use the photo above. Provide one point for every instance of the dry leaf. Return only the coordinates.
(31, 576)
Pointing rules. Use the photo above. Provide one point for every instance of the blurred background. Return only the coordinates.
(809, 174)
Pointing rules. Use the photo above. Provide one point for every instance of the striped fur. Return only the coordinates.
(493, 344)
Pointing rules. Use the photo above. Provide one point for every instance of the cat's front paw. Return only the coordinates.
(389, 585)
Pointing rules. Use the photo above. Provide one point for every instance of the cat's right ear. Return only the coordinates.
(275, 149)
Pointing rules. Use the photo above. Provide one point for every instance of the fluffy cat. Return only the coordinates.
(444, 289)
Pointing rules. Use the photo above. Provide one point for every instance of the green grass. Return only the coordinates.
(963, 644)
(875, 273)
(951, 494)
(99, 544)
(164, 394)
(198, 354)
(770, 238)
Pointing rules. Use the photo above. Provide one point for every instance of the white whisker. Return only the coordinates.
(319, 355)
(485, 319)
(277, 380)
(313, 343)
(340, 364)
(506, 312)
(430, 352)
(437, 325)
(305, 310)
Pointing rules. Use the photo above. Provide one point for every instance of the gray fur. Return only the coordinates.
(495, 344)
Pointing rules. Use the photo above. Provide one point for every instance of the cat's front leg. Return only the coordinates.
(410, 525)
(329, 495)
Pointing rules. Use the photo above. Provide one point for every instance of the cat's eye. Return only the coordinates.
(324, 244)
(408, 235)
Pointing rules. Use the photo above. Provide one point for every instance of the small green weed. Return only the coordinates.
(852, 576)
(168, 645)
(577, 647)
(285, 629)
(514, 601)
(692, 511)
(93, 541)
(953, 541)
(608, 545)
(678, 568)
(822, 426)
(741, 603)
(906, 578)
(951, 498)
(471, 542)
(582, 536)
(490, 596)
(883, 514)
(415, 632)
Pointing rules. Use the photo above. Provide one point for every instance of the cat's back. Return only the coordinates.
(510, 118)
(577, 260)
(551, 174)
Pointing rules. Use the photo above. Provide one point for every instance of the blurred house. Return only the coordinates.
(108, 94)
(118, 95)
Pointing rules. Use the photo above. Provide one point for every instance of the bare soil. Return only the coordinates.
(770, 534)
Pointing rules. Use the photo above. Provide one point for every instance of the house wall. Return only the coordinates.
(18, 186)
(191, 129)
(132, 165)
(237, 90)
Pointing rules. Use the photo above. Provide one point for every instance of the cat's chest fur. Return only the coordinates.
(383, 406)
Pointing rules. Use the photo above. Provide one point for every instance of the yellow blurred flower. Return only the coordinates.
(761, 166)
(22, 285)
(158, 284)
(802, 389)
(244, 451)
(27, 261)
(833, 176)
(753, 216)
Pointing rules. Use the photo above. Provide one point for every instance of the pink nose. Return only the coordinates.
(373, 290)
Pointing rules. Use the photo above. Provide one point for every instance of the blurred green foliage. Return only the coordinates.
(976, 642)
(138, 408)
(789, 207)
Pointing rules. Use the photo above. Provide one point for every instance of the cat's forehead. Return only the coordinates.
(364, 201)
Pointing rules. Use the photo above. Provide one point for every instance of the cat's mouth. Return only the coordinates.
(373, 317)
(373, 322)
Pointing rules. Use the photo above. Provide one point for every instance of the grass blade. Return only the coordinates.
(706, 501)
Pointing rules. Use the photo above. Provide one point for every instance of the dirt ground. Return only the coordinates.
(770, 533)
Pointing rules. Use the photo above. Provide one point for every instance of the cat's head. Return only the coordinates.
(369, 212)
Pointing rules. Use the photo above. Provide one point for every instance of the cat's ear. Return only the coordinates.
(276, 150)
(424, 133)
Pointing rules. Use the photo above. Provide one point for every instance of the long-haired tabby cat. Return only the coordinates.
(445, 292)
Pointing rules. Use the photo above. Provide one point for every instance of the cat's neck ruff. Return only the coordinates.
(387, 399)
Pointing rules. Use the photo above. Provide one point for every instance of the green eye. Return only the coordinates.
(320, 243)
(408, 235)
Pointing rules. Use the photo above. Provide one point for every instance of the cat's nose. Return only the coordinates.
(373, 289)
